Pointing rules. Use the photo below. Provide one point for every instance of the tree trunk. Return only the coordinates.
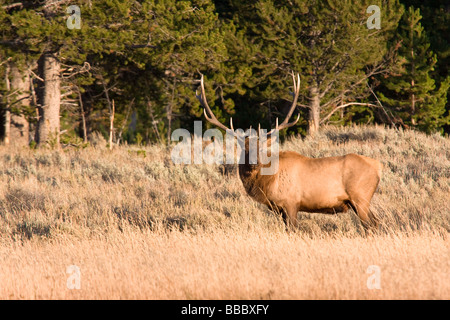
(19, 126)
(83, 116)
(7, 124)
(314, 111)
(169, 112)
(111, 125)
(48, 125)
(413, 71)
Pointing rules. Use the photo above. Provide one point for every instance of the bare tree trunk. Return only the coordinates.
(19, 128)
(169, 112)
(7, 124)
(83, 115)
(169, 123)
(111, 112)
(111, 125)
(314, 111)
(154, 122)
(413, 97)
(49, 125)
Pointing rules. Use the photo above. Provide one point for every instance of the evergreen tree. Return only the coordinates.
(189, 41)
(328, 42)
(410, 92)
(40, 29)
(15, 84)
(173, 41)
(436, 23)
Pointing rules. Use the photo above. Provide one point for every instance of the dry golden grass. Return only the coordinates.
(140, 227)
(218, 265)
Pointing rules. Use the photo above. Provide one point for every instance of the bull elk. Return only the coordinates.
(322, 185)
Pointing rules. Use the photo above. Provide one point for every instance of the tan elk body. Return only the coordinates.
(323, 185)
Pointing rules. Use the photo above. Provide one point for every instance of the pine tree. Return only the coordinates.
(436, 22)
(327, 42)
(15, 85)
(39, 29)
(177, 40)
(189, 41)
(410, 92)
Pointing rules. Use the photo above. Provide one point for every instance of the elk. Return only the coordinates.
(322, 185)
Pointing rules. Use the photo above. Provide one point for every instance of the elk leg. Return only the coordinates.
(292, 218)
(278, 210)
(368, 220)
(287, 219)
(289, 215)
(283, 215)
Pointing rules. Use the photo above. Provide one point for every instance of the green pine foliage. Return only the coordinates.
(327, 42)
(147, 57)
(410, 93)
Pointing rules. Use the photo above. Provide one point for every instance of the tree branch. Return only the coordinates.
(382, 107)
(13, 5)
(344, 106)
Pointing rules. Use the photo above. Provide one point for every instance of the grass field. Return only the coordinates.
(140, 227)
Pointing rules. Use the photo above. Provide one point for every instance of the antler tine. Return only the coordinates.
(202, 98)
(293, 79)
(285, 123)
(206, 115)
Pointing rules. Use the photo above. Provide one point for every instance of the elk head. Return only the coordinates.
(251, 153)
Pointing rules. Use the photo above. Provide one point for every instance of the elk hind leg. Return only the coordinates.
(367, 218)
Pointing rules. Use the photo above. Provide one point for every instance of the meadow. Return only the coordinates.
(139, 226)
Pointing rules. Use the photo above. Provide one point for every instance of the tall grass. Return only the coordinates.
(140, 226)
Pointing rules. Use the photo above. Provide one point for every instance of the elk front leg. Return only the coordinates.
(292, 222)
(290, 218)
(289, 215)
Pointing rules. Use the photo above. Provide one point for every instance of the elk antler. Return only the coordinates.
(286, 124)
(211, 118)
(209, 115)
